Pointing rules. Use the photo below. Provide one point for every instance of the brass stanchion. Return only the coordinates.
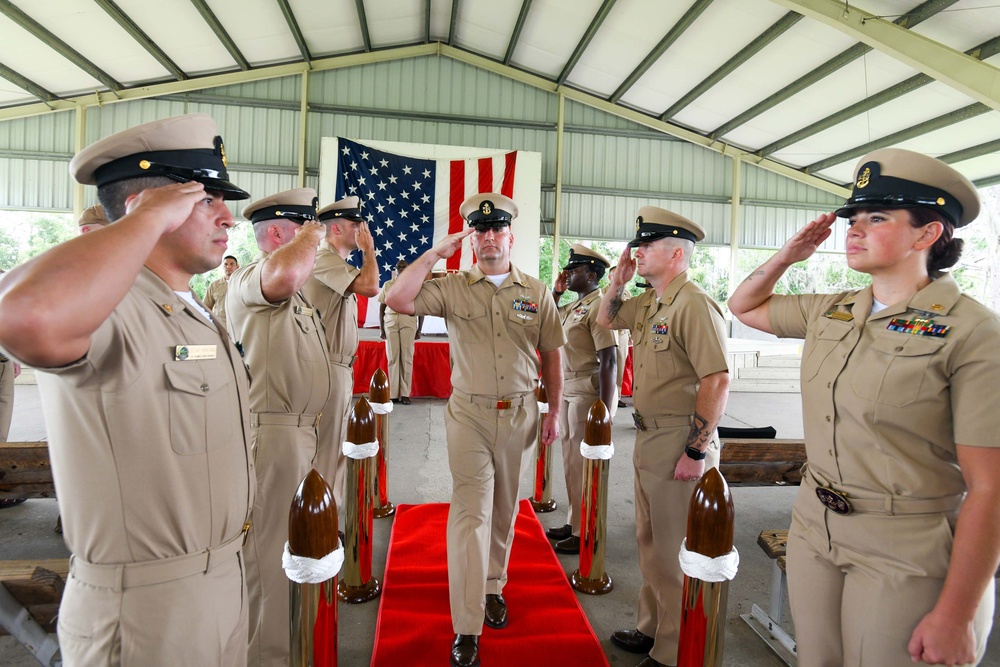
(597, 449)
(709, 562)
(378, 396)
(311, 563)
(358, 585)
(541, 498)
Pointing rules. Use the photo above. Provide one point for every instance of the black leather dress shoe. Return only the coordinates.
(571, 545)
(560, 533)
(405, 400)
(649, 662)
(465, 651)
(632, 641)
(496, 611)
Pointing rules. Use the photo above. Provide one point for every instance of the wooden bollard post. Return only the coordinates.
(378, 396)
(312, 554)
(358, 585)
(709, 562)
(597, 449)
(541, 497)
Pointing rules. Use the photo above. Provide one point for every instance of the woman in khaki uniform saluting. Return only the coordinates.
(895, 533)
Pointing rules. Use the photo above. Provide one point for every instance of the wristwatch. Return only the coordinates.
(695, 453)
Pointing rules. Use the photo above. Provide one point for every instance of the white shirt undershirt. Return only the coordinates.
(498, 279)
(878, 306)
(189, 299)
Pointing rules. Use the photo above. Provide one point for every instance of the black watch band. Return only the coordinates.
(695, 453)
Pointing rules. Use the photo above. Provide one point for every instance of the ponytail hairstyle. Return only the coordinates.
(947, 249)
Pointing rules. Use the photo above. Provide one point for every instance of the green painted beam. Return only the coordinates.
(11, 11)
(293, 26)
(26, 83)
(592, 29)
(136, 33)
(982, 52)
(427, 21)
(917, 15)
(972, 152)
(931, 125)
(213, 22)
(743, 55)
(363, 24)
(685, 22)
(453, 24)
(518, 28)
(978, 80)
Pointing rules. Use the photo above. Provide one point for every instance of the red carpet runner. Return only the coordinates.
(547, 625)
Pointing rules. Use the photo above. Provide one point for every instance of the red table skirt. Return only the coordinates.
(431, 368)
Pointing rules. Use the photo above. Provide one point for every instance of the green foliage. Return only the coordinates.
(242, 246)
(46, 232)
(10, 250)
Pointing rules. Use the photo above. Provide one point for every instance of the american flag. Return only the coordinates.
(410, 203)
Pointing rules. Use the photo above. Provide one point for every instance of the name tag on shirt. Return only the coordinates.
(302, 310)
(194, 352)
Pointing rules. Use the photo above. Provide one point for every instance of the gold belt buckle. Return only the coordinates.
(637, 420)
(835, 501)
(503, 405)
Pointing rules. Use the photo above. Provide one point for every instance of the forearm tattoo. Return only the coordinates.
(751, 276)
(700, 433)
(616, 303)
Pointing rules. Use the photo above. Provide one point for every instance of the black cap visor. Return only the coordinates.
(201, 165)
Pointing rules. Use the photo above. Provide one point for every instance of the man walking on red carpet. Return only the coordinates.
(498, 317)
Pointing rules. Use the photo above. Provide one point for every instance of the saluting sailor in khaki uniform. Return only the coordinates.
(92, 219)
(399, 332)
(332, 289)
(497, 318)
(215, 295)
(146, 405)
(895, 533)
(282, 340)
(589, 365)
(680, 386)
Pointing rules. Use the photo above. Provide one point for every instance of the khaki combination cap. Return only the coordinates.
(93, 216)
(298, 205)
(580, 255)
(655, 223)
(488, 209)
(182, 148)
(892, 178)
(348, 208)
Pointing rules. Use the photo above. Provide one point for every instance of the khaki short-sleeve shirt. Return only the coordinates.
(283, 345)
(676, 340)
(584, 336)
(150, 445)
(494, 332)
(327, 290)
(394, 320)
(886, 397)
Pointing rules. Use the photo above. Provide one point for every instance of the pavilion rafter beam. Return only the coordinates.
(12, 12)
(977, 79)
(141, 38)
(216, 25)
(727, 68)
(931, 125)
(363, 24)
(516, 34)
(27, 84)
(295, 29)
(427, 21)
(915, 16)
(453, 25)
(982, 52)
(592, 29)
(971, 152)
(685, 22)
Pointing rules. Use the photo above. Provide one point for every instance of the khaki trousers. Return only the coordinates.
(333, 429)
(399, 353)
(860, 583)
(661, 512)
(196, 620)
(486, 454)
(579, 395)
(283, 455)
(6, 397)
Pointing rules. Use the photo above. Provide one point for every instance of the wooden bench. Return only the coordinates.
(30, 592)
(25, 471)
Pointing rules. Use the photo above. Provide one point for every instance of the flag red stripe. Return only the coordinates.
(456, 195)
(507, 189)
(485, 174)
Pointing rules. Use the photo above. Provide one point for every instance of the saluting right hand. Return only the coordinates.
(170, 205)
(451, 244)
(802, 246)
(312, 228)
(562, 282)
(625, 270)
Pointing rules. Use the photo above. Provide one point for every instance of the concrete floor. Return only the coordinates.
(419, 473)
